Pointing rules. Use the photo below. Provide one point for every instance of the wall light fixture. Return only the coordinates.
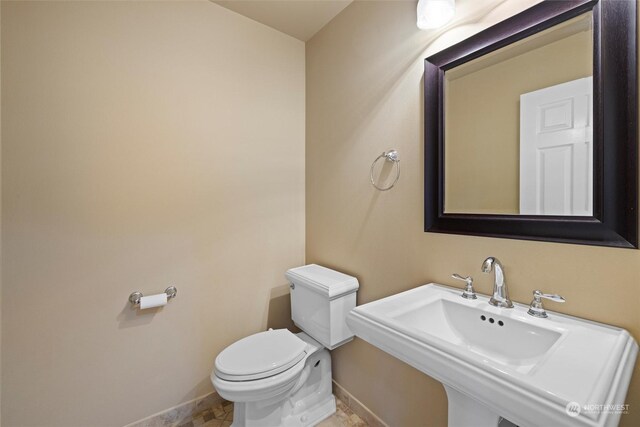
(435, 13)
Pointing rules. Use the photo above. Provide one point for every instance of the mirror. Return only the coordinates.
(531, 127)
(518, 137)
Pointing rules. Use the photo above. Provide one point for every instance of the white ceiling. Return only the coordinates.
(298, 18)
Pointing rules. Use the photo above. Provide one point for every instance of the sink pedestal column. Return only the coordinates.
(467, 412)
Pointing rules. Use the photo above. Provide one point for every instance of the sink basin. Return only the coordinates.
(497, 362)
(506, 341)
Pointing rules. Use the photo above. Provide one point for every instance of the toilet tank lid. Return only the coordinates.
(330, 283)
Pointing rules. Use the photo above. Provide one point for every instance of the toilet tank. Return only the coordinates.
(321, 298)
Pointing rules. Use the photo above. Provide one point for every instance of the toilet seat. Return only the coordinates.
(257, 390)
(260, 356)
(269, 387)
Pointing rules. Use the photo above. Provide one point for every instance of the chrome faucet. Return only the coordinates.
(500, 296)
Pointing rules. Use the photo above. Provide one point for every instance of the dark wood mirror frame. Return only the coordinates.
(615, 115)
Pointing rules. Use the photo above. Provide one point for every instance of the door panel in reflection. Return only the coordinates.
(556, 145)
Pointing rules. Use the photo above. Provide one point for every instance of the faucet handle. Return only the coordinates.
(536, 309)
(467, 279)
(469, 292)
(552, 297)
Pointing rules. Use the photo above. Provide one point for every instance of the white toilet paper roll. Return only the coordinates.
(153, 301)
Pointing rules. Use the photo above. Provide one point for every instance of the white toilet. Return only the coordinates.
(277, 378)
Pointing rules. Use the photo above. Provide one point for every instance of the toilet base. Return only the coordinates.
(309, 402)
(314, 416)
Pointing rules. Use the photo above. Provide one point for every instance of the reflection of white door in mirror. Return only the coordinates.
(556, 150)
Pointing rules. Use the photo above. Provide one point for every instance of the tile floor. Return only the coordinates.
(222, 416)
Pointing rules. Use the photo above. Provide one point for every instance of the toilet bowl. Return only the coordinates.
(296, 391)
(278, 378)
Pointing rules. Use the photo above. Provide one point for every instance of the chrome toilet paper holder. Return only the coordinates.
(134, 298)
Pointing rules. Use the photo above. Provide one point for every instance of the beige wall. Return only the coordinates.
(482, 145)
(144, 144)
(364, 95)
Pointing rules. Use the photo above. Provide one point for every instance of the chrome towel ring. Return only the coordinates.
(390, 156)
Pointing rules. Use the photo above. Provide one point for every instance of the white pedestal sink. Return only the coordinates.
(496, 362)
